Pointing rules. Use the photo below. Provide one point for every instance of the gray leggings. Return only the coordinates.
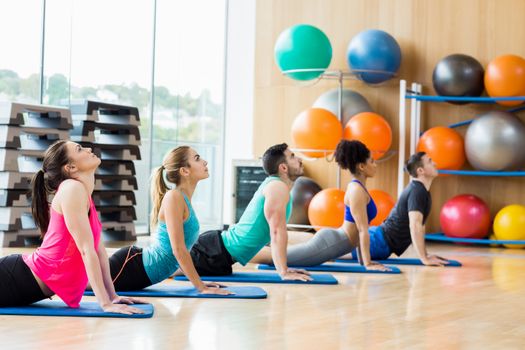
(325, 245)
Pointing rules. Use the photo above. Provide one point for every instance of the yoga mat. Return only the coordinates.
(59, 308)
(168, 291)
(336, 267)
(264, 277)
(400, 261)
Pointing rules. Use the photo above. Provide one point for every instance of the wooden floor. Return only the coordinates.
(478, 306)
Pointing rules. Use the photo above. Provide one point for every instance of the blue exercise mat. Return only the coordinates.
(442, 238)
(400, 261)
(168, 291)
(59, 308)
(336, 268)
(264, 277)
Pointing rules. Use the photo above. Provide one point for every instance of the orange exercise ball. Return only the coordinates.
(384, 203)
(316, 128)
(445, 146)
(371, 129)
(327, 208)
(505, 77)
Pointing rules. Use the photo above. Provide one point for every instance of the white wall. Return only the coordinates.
(240, 59)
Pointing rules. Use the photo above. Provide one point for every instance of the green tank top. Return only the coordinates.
(252, 232)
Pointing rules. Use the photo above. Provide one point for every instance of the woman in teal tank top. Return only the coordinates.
(134, 268)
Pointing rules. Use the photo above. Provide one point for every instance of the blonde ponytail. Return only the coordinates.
(172, 163)
(158, 190)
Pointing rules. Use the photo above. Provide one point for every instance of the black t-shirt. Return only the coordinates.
(396, 227)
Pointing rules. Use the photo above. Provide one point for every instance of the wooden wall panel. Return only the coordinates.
(426, 30)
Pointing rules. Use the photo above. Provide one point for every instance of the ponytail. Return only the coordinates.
(46, 181)
(158, 191)
(39, 204)
(173, 161)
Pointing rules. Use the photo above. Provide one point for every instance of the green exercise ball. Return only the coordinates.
(303, 47)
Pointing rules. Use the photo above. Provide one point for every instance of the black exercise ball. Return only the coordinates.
(302, 192)
(458, 75)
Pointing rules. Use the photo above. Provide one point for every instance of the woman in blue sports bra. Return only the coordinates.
(134, 268)
(360, 209)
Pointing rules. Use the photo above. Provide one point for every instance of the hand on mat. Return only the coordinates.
(215, 290)
(377, 266)
(303, 271)
(214, 285)
(434, 260)
(128, 300)
(122, 309)
(297, 275)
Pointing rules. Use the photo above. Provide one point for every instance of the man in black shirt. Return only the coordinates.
(406, 222)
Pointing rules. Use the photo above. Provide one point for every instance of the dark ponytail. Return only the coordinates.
(348, 154)
(46, 181)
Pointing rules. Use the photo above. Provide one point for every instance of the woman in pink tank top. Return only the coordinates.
(71, 252)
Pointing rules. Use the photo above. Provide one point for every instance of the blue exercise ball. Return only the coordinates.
(303, 46)
(374, 50)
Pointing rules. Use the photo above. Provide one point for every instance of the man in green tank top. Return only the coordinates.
(263, 221)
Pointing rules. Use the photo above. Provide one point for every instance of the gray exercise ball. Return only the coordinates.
(458, 75)
(496, 141)
(353, 103)
(303, 190)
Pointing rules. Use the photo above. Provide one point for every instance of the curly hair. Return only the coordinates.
(348, 154)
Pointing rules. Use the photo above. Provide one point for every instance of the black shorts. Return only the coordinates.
(18, 286)
(127, 269)
(209, 255)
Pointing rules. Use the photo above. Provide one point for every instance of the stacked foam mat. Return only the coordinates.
(112, 131)
(26, 131)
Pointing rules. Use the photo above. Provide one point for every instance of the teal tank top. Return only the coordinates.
(159, 261)
(252, 232)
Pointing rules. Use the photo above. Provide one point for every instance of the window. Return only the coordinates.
(21, 37)
(189, 91)
(103, 50)
(95, 50)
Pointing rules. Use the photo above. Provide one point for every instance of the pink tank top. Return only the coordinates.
(58, 263)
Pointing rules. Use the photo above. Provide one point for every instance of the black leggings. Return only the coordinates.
(127, 269)
(18, 286)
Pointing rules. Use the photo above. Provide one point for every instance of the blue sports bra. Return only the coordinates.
(371, 209)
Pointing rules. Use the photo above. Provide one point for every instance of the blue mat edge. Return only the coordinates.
(394, 270)
(263, 294)
(401, 261)
(43, 308)
(329, 279)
